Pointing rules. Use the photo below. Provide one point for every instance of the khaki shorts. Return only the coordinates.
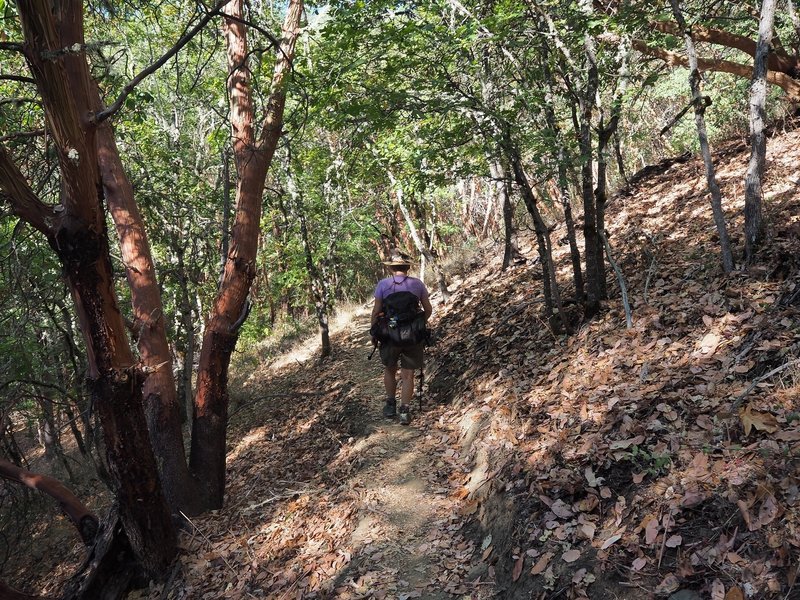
(410, 358)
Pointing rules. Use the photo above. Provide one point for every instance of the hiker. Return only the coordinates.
(402, 307)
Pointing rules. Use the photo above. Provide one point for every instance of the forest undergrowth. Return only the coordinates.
(659, 461)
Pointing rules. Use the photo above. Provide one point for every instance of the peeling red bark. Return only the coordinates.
(253, 158)
(82, 518)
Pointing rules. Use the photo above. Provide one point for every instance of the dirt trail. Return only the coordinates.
(326, 497)
(405, 504)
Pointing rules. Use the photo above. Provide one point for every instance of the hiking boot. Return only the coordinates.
(405, 415)
(390, 409)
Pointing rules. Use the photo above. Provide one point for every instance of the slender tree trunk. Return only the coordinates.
(418, 243)
(753, 227)
(317, 283)
(500, 178)
(619, 157)
(226, 210)
(253, 158)
(699, 118)
(560, 158)
(490, 194)
(162, 408)
(189, 342)
(595, 265)
(604, 136)
(552, 296)
(47, 429)
(601, 191)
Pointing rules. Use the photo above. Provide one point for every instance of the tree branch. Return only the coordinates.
(19, 101)
(778, 60)
(185, 39)
(275, 43)
(782, 80)
(85, 521)
(11, 46)
(22, 134)
(23, 200)
(20, 78)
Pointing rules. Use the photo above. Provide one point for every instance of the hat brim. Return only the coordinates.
(397, 263)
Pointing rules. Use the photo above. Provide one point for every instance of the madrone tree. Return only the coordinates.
(90, 172)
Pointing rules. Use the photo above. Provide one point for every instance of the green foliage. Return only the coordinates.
(652, 463)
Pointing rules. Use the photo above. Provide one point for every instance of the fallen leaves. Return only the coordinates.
(517, 571)
(571, 556)
(542, 563)
(668, 585)
(759, 420)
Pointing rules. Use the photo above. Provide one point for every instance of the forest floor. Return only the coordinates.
(657, 461)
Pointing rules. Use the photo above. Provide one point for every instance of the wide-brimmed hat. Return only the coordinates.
(398, 259)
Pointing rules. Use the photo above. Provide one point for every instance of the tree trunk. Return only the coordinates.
(619, 157)
(552, 296)
(559, 155)
(595, 270)
(317, 284)
(601, 191)
(418, 243)
(605, 133)
(253, 158)
(753, 228)
(162, 408)
(699, 110)
(500, 178)
(76, 232)
(189, 342)
(48, 433)
(109, 570)
(226, 210)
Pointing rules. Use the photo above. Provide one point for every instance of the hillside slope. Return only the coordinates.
(655, 460)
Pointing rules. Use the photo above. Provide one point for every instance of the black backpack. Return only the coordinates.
(403, 321)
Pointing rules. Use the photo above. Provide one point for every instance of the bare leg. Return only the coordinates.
(390, 381)
(407, 391)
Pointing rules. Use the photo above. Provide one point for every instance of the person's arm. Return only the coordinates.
(377, 309)
(426, 306)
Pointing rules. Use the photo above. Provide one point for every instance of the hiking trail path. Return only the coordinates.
(326, 497)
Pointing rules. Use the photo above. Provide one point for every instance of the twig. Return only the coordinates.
(208, 541)
(664, 540)
(704, 100)
(621, 279)
(758, 380)
(286, 494)
(651, 269)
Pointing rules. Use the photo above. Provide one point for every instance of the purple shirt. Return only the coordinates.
(401, 283)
